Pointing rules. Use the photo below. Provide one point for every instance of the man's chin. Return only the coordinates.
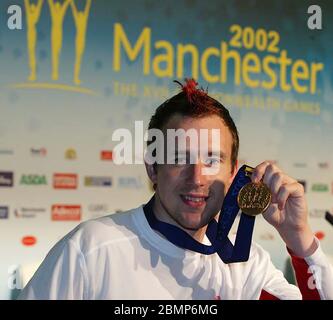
(192, 225)
(192, 228)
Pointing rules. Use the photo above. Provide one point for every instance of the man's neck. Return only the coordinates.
(198, 234)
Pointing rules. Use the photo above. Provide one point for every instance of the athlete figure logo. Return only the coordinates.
(81, 21)
(57, 11)
(32, 16)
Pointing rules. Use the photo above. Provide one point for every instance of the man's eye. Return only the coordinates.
(212, 161)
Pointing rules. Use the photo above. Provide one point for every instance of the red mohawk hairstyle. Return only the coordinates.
(191, 91)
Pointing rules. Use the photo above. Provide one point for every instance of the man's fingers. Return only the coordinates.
(281, 185)
(266, 171)
(259, 171)
(292, 189)
(274, 184)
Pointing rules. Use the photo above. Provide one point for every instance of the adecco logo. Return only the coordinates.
(63, 212)
(65, 181)
(29, 241)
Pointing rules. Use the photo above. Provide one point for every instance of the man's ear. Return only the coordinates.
(152, 172)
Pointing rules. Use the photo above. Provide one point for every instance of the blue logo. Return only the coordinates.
(4, 212)
(98, 181)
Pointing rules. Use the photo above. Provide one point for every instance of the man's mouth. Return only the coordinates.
(194, 200)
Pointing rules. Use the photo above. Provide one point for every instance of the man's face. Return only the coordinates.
(185, 194)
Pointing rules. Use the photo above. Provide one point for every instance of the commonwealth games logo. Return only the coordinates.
(58, 12)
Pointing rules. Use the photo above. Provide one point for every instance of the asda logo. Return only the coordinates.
(320, 187)
(33, 179)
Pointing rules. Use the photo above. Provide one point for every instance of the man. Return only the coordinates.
(130, 256)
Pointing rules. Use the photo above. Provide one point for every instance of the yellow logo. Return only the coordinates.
(57, 12)
(70, 154)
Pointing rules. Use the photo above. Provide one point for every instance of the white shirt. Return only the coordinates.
(120, 257)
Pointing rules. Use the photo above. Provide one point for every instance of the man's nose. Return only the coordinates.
(196, 174)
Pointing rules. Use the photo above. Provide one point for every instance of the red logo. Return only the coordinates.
(65, 181)
(106, 155)
(320, 235)
(29, 240)
(62, 212)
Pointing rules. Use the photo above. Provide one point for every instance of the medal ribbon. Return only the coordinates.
(217, 232)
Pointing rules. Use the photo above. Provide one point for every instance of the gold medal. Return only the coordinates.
(254, 198)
